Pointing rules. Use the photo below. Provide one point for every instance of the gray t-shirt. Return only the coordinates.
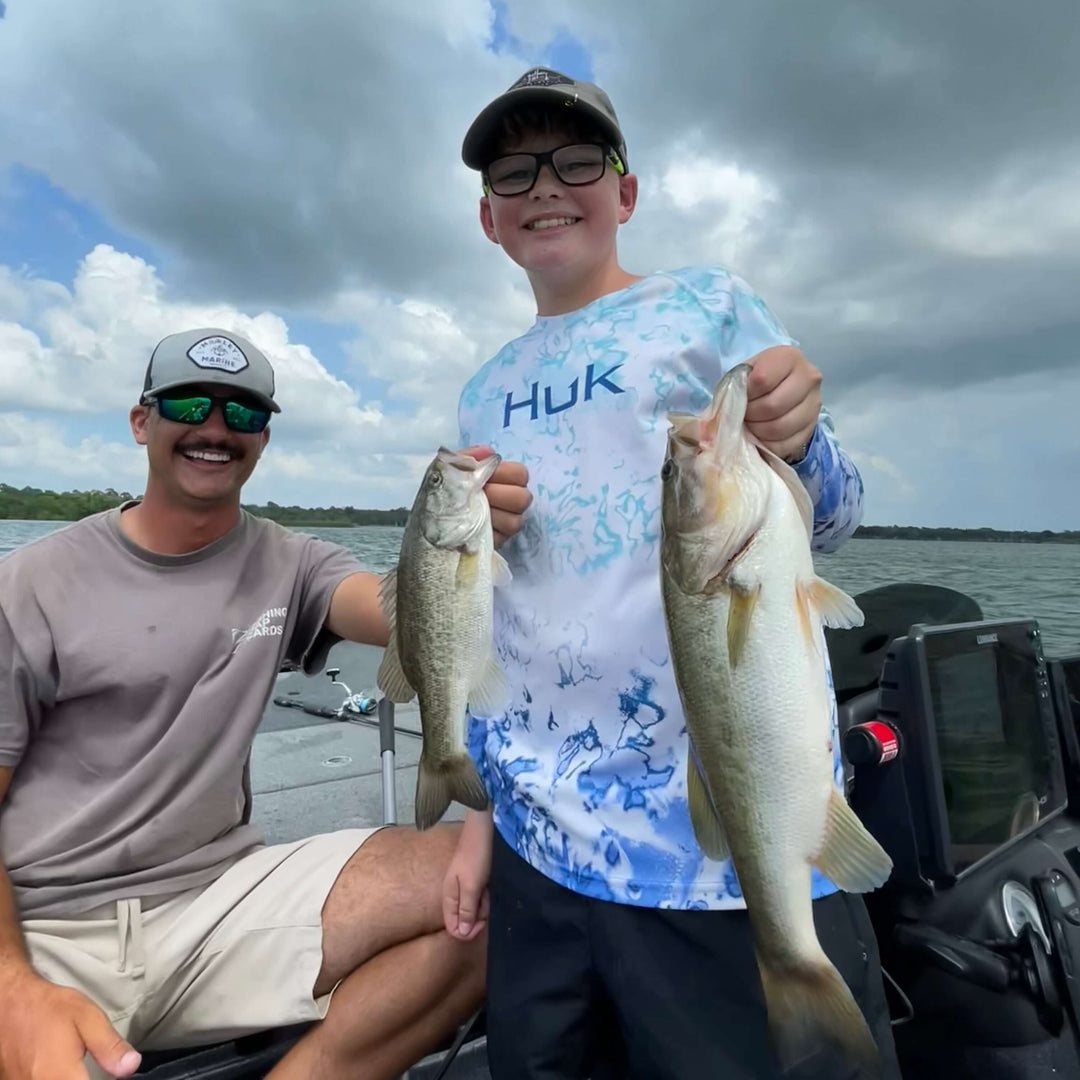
(131, 686)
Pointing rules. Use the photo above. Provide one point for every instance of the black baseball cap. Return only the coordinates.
(544, 87)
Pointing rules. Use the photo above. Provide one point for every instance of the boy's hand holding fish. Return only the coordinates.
(507, 493)
(783, 395)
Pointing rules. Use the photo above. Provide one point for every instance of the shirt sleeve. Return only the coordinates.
(20, 707)
(834, 484)
(323, 568)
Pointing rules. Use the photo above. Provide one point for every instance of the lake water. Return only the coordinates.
(1007, 580)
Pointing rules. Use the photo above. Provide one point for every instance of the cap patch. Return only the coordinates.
(218, 353)
(542, 77)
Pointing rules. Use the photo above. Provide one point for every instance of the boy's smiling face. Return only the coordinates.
(559, 231)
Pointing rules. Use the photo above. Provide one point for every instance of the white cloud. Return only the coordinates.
(1027, 210)
(32, 450)
(85, 352)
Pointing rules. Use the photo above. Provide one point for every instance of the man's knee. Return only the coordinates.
(396, 869)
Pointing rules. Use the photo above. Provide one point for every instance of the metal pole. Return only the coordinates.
(386, 750)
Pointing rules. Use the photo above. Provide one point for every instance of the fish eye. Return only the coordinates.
(435, 479)
(668, 470)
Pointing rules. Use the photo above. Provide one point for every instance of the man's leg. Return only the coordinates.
(402, 982)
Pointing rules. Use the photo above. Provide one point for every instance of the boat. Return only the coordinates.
(961, 756)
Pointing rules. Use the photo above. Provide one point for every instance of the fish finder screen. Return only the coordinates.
(995, 761)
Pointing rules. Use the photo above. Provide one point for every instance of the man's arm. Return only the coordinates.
(45, 1030)
(355, 611)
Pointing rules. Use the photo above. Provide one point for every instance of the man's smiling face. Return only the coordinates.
(199, 466)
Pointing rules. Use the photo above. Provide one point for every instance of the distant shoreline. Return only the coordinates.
(33, 504)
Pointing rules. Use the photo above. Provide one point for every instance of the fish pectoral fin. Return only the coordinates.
(491, 692)
(708, 831)
(500, 571)
(837, 609)
(740, 611)
(851, 858)
(391, 678)
(468, 569)
(806, 615)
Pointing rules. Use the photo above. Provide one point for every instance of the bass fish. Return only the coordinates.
(438, 603)
(744, 611)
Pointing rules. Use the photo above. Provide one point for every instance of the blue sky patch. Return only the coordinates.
(45, 231)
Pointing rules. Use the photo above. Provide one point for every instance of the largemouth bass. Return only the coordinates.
(439, 605)
(744, 611)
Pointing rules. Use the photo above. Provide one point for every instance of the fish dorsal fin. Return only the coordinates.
(708, 831)
(500, 571)
(793, 484)
(850, 857)
(490, 694)
(391, 678)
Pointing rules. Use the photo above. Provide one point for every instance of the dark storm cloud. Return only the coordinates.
(881, 125)
(920, 153)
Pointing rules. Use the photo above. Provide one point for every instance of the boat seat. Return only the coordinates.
(247, 1058)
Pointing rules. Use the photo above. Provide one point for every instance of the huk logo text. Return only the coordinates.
(593, 382)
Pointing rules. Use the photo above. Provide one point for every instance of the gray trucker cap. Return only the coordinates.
(213, 356)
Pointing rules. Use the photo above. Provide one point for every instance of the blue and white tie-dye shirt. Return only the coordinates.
(587, 769)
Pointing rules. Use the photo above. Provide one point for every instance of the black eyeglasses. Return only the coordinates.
(195, 409)
(576, 165)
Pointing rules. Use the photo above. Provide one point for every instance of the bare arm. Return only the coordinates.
(355, 612)
(45, 1030)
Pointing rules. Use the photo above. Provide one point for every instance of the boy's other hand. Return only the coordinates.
(507, 493)
(466, 902)
(783, 399)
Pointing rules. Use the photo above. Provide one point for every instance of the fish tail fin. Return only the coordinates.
(811, 1008)
(439, 784)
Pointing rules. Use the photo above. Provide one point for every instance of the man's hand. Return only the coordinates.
(783, 400)
(507, 493)
(46, 1030)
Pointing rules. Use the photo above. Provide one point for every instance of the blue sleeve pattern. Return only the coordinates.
(834, 485)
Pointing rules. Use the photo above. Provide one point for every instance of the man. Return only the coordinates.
(138, 907)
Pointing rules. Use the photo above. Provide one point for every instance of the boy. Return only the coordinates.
(615, 944)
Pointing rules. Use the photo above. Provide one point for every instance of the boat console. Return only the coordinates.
(964, 762)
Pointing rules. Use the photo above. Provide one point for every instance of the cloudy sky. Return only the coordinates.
(900, 181)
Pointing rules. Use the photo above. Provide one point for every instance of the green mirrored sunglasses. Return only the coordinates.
(195, 409)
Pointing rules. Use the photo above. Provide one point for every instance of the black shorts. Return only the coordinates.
(581, 988)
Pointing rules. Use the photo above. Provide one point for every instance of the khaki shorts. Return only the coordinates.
(236, 956)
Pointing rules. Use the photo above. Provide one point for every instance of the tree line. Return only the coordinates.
(33, 504)
(998, 536)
